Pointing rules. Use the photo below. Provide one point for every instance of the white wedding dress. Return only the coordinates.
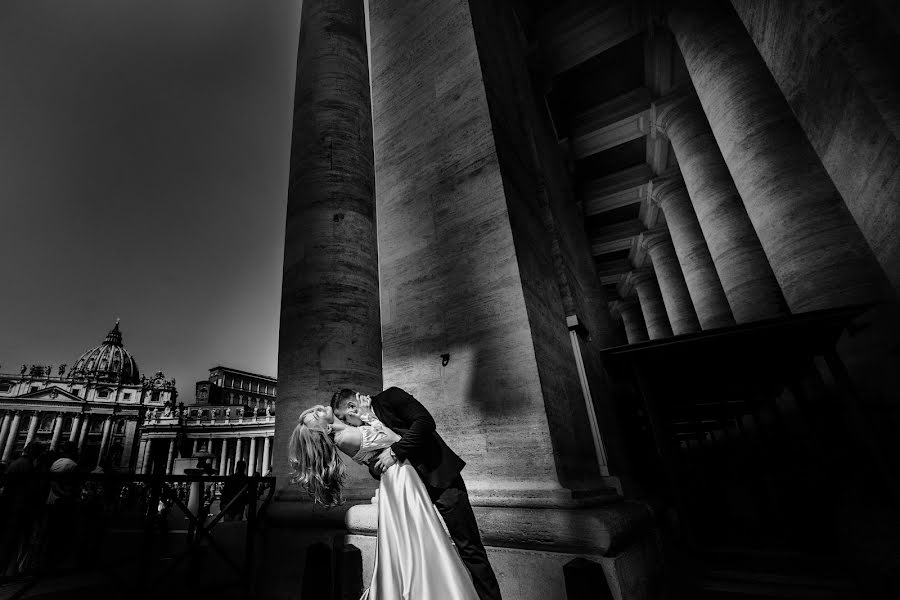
(415, 559)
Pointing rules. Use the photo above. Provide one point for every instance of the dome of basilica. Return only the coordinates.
(109, 361)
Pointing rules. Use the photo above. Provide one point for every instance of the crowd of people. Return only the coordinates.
(53, 517)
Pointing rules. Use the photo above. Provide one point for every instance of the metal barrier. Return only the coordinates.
(55, 526)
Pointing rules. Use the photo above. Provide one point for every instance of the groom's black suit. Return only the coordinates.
(439, 467)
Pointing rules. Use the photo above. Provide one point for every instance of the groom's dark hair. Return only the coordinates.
(341, 398)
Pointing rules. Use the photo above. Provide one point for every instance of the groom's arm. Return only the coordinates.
(410, 410)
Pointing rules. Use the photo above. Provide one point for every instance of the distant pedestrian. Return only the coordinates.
(235, 488)
(22, 501)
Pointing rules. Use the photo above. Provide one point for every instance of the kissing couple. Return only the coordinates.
(394, 435)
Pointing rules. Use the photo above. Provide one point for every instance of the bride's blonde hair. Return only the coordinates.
(316, 463)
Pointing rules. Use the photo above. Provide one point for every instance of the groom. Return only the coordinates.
(437, 465)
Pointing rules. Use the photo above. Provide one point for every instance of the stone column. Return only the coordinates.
(57, 430)
(104, 438)
(76, 428)
(330, 335)
(629, 310)
(266, 456)
(194, 447)
(223, 457)
(251, 457)
(4, 428)
(148, 457)
(696, 263)
(747, 279)
(32, 428)
(170, 459)
(85, 428)
(834, 67)
(644, 282)
(237, 452)
(11, 438)
(674, 290)
(816, 251)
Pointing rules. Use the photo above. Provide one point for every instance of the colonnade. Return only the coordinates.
(13, 421)
(254, 450)
(754, 227)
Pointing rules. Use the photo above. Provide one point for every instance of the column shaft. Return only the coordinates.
(815, 249)
(632, 319)
(266, 455)
(76, 428)
(747, 279)
(237, 452)
(652, 306)
(11, 438)
(32, 428)
(672, 286)
(104, 439)
(223, 457)
(170, 459)
(4, 428)
(85, 428)
(330, 334)
(148, 457)
(57, 430)
(251, 457)
(700, 275)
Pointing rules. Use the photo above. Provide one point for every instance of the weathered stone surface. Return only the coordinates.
(747, 279)
(857, 144)
(696, 263)
(329, 335)
(674, 290)
(452, 281)
(643, 281)
(816, 250)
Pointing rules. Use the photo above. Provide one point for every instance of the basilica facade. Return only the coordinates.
(98, 405)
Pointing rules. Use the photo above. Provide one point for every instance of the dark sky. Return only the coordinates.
(143, 175)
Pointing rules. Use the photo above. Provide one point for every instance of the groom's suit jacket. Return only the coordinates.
(436, 463)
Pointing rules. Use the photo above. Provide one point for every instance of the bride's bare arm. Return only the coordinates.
(349, 441)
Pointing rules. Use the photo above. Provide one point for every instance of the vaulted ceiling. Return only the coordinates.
(607, 62)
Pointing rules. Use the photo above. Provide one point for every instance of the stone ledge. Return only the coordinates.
(604, 531)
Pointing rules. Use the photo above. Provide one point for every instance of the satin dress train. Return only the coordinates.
(415, 558)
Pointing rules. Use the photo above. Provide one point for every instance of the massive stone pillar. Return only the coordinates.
(11, 438)
(629, 310)
(329, 335)
(643, 282)
(836, 65)
(696, 263)
(747, 279)
(672, 286)
(474, 323)
(816, 251)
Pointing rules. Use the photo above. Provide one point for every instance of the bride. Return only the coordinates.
(414, 556)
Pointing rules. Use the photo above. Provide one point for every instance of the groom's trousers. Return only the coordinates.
(453, 504)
